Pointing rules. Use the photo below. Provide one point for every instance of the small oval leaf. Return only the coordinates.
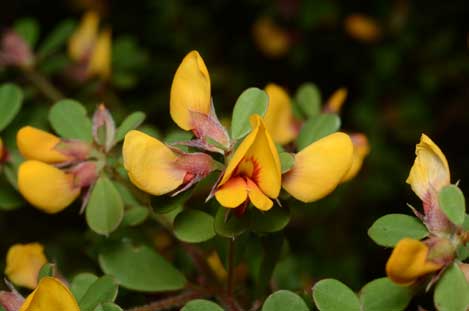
(452, 203)
(105, 208)
(451, 291)
(140, 268)
(80, 284)
(251, 101)
(332, 295)
(390, 229)
(318, 127)
(201, 305)
(100, 291)
(68, 118)
(193, 226)
(284, 300)
(382, 294)
(308, 98)
(11, 99)
(130, 123)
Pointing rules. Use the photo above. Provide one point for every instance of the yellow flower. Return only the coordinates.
(253, 171)
(319, 168)
(46, 187)
(409, 261)
(88, 48)
(336, 101)
(361, 148)
(50, 295)
(278, 118)
(362, 28)
(155, 168)
(23, 263)
(430, 171)
(190, 91)
(36, 144)
(271, 39)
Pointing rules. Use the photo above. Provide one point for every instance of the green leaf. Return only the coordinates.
(140, 268)
(332, 295)
(105, 208)
(101, 291)
(308, 98)
(272, 220)
(130, 123)
(390, 229)
(57, 38)
(81, 283)
(284, 300)
(287, 160)
(135, 216)
(382, 294)
(69, 120)
(451, 291)
(465, 224)
(201, 305)
(46, 270)
(452, 203)
(11, 99)
(28, 29)
(318, 127)
(9, 198)
(193, 226)
(251, 101)
(109, 306)
(229, 225)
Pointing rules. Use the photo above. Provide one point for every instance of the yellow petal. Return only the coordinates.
(430, 171)
(82, 41)
(150, 164)
(217, 267)
(45, 186)
(257, 148)
(190, 90)
(36, 144)
(408, 262)
(279, 119)
(50, 295)
(232, 193)
(257, 197)
(362, 27)
(100, 62)
(336, 101)
(361, 148)
(23, 263)
(319, 168)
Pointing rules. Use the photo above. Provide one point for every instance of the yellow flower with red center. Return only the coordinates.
(409, 261)
(253, 173)
(91, 49)
(50, 295)
(40, 181)
(23, 263)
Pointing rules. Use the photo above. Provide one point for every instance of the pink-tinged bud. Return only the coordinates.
(86, 173)
(104, 128)
(11, 301)
(206, 127)
(196, 165)
(441, 250)
(434, 218)
(15, 51)
(77, 150)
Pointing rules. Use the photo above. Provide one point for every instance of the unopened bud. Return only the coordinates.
(14, 51)
(104, 128)
(11, 301)
(86, 173)
(76, 149)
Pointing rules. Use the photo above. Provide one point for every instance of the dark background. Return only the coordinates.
(412, 80)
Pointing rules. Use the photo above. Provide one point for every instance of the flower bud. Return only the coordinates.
(104, 128)
(11, 301)
(14, 51)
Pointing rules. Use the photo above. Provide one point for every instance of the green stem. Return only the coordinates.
(42, 84)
